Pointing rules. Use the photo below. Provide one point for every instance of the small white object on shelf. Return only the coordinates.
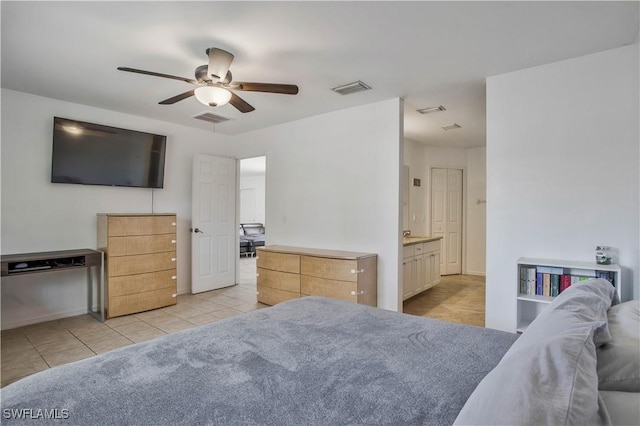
(603, 255)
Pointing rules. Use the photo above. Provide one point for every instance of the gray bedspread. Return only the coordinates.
(304, 362)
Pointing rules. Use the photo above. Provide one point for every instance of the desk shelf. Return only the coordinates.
(62, 260)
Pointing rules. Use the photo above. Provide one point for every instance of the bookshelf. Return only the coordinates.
(529, 300)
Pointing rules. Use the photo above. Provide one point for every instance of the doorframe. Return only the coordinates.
(238, 160)
(464, 207)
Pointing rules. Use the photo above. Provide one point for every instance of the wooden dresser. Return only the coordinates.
(139, 261)
(286, 273)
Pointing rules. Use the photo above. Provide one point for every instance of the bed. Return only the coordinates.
(317, 361)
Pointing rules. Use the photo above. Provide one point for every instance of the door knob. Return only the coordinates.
(198, 231)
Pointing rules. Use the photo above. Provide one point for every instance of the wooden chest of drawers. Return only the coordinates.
(140, 261)
(286, 273)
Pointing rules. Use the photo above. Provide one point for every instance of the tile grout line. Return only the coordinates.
(237, 297)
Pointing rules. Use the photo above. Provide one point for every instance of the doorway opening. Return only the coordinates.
(251, 216)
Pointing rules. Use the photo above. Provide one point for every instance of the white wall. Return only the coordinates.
(418, 195)
(40, 216)
(562, 169)
(476, 209)
(333, 182)
(256, 185)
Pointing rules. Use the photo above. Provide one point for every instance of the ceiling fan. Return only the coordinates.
(215, 83)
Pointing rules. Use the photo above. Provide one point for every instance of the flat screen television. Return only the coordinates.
(93, 154)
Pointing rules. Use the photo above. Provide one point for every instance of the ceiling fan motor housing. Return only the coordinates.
(219, 63)
(202, 77)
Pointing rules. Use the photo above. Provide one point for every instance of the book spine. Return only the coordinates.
(607, 275)
(531, 280)
(546, 284)
(539, 283)
(555, 285)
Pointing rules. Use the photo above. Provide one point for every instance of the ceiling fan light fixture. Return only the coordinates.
(212, 96)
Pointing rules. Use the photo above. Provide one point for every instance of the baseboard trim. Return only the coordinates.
(478, 273)
(8, 325)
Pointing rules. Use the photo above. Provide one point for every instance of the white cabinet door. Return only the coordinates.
(408, 277)
(435, 267)
(424, 268)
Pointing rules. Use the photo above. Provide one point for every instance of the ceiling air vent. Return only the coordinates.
(347, 89)
(212, 118)
(451, 126)
(431, 109)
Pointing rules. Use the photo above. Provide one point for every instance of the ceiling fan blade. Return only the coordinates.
(157, 74)
(219, 63)
(240, 104)
(285, 89)
(177, 98)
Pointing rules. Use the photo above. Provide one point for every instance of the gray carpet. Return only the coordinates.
(310, 361)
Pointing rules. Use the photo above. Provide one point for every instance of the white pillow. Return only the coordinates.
(551, 383)
(586, 302)
(549, 375)
(623, 408)
(619, 359)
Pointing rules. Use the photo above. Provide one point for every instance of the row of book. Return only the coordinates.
(551, 281)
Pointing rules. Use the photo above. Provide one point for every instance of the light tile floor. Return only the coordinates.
(27, 350)
(457, 298)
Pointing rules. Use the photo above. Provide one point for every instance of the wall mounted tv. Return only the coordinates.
(92, 154)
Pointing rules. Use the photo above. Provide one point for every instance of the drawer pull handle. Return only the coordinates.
(173, 241)
(173, 259)
(257, 274)
(357, 271)
(174, 295)
(173, 224)
(357, 293)
(257, 257)
(173, 277)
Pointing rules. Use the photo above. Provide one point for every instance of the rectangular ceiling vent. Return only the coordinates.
(451, 126)
(212, 118)
(431, 109)
(347, 89)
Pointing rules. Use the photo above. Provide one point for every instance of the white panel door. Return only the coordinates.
(439, 206)
(213, 237)
(454, 221)
(446, 217)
